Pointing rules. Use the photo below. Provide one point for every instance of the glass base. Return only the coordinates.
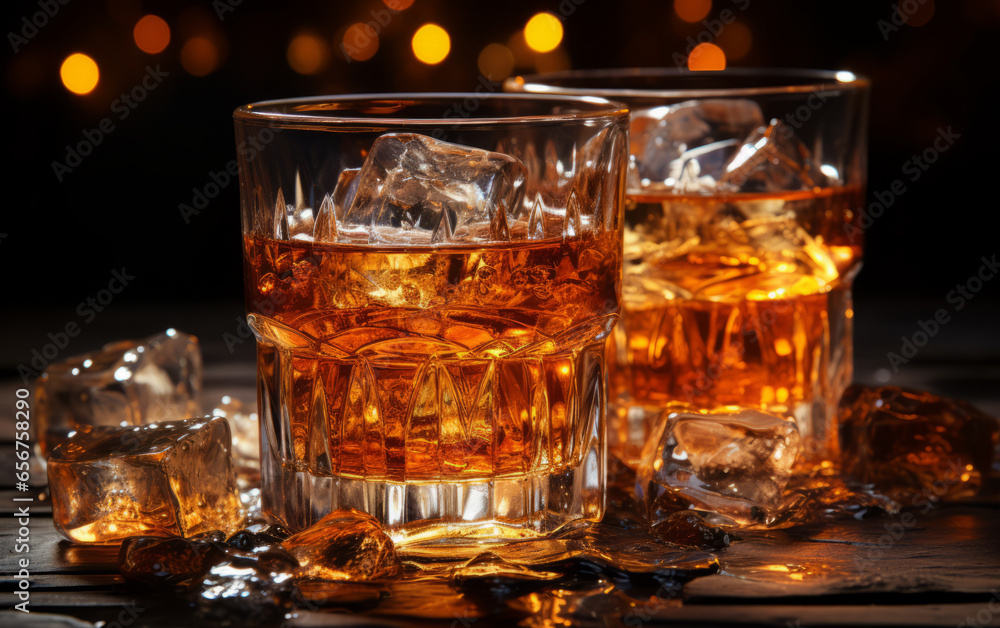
(431, 452)
(470, 511)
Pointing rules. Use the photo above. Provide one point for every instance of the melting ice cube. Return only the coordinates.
(414, 189)
(732, 467)
(161, 479)
(664, 139)
(344, 545)
(913, 446)
(129, 382)
(772, 159)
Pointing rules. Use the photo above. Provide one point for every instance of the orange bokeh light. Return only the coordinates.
(431, 44)
(706, 56)
(199, 56)
(543, 32)
(307, 53)
(398, 5)
(692, 10)
(360, 42)
(151, 34)
(79, 73)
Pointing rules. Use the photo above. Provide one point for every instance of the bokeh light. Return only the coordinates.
(431, 44)
(543, 32)
(692, 10)
(307, 53)
(736, 40)
(398, 5)
(496, 62)
(79, 73)
(706, 56)
(151, 34)
(360, 42)
(199, 56)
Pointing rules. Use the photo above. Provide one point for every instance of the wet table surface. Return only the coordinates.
(925, 567)
(941, 570)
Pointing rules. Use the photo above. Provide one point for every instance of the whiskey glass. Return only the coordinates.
(431, 279)
(743, 234)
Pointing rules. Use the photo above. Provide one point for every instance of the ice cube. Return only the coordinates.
(242, 593)
(698, 169)
(765, 235)
(414, 189)
(245, 427)
(913, 446)
(258, 537)
(662, 135)
(689, 529)
(222, 580)
(129, 382)
(731, 466)
(771, 159)
(169, 561)
(161, 479)
(344, 545)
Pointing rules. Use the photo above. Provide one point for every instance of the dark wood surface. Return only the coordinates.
(944, 571)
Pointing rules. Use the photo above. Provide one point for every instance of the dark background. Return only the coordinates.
(119, 208)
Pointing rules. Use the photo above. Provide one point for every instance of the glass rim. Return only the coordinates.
(271, 111)
(783, 81)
